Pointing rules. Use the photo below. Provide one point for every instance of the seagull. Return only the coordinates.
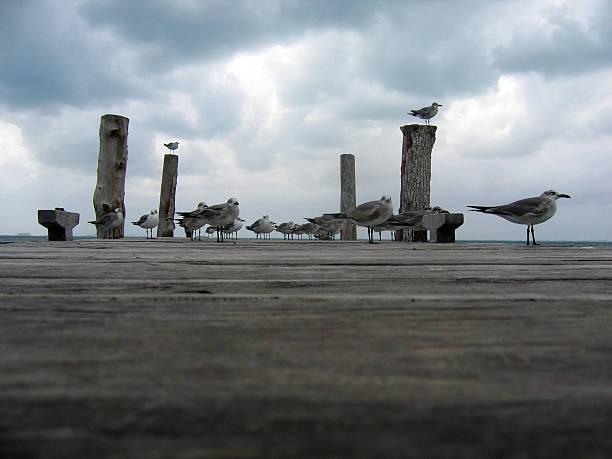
(328, 226)
(110, 221)
(233, 228)
(148, 222)
(368, 214)
(309, 229)
(262, 226)
(286, 228)
(191, 222)
(220, 215)
(171, 146)
(528, 211)
(426, 113)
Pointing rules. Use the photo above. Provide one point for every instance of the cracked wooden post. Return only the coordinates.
(416, 174)
(167, 195)
(348, 198)
(112, 165)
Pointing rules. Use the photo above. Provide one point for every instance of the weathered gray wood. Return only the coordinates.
(167, 196)
(304, 349)
(112, 165)
(417, 144)
(348, 199)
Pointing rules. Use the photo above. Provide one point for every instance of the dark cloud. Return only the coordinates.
(564, 46)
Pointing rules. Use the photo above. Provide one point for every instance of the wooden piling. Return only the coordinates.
(167, 196)
(348, 198)
(112, 165)
(417, 145)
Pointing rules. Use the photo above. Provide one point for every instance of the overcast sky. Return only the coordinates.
(264, 96)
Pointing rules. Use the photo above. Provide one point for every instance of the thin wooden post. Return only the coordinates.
(112, 165)
(167, 195)
(417, 145)
(348, 198)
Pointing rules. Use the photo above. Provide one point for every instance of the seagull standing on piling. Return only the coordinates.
(529, 211)
(110, 221)
(426, 113)
(171, 146)
(368, 214)
(148, 222)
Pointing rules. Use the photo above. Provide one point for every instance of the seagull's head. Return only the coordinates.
(386, 198)
(201, 205)
(117, 210)
(552, 194)
(232, 201)
(436, 104)
(153, 212)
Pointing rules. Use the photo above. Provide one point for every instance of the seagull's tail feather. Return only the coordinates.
(480, 208)
(337, 215)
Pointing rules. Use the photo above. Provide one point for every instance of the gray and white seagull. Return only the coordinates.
(368, 214)
(528, 211)
(426, 113)
(148, 222)
(110, 221)
(171, 146)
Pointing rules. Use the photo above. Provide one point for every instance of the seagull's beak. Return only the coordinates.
(564, 196)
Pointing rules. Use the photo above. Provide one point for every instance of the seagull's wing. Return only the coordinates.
(365, 210)
(141, 221)
(105, 219)
(534, 206)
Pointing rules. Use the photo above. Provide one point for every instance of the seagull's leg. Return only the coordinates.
(533, 236)
(528, 234)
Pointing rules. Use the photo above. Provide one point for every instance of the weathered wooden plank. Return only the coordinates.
(465, 351)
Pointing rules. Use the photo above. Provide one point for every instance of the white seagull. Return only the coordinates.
(368, 214)
(171, 146)
(426, 113)
(233, 228)
(528, 211)
(148, 222)
(262, 226)
(110, 221)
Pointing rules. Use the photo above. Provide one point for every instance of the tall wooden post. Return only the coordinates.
(167, 195)
(112, 165)
(347, 195)
(416, 174)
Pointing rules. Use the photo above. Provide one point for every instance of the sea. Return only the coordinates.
(34, 238)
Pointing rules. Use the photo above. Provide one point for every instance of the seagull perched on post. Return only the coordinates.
(148, 222)
(171, 146)
(426, 113)
(528, 211)
(368, 214)
(110, 221)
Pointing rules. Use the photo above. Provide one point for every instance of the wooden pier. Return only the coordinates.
(171, 348)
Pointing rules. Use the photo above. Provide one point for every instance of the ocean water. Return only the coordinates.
(29, 238)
